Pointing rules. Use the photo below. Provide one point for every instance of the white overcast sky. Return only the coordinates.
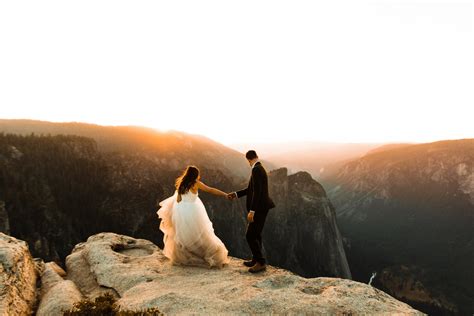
(244, 71)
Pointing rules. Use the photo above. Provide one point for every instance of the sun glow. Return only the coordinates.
(267, 71)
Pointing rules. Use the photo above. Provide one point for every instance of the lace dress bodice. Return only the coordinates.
(189, 197)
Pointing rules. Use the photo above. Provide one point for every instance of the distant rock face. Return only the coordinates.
(17, 277)
(403, 281)
(301, 232)
(138, 274)
(412, 206)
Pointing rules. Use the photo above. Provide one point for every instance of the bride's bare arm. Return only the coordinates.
(211, 190)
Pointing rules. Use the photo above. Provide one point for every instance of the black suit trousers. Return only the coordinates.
(254, 236)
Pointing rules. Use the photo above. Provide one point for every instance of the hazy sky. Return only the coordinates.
(244, 71)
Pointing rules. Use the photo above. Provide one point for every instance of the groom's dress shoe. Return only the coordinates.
(250, 263)
(258, 267)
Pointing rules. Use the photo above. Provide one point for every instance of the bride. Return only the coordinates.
(188, 233)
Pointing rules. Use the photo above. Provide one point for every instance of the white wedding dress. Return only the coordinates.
(188, 233)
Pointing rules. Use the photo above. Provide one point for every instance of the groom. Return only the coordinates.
(258, 204)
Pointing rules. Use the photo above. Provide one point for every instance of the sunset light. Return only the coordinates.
(343, 71)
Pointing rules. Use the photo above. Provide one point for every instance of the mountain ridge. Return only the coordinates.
(410, 212)
(139, 139)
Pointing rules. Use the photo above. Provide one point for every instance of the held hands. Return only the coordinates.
(231, 196)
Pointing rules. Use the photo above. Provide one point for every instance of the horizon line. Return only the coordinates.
(228, 143)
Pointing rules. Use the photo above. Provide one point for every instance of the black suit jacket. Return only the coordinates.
(258, 199)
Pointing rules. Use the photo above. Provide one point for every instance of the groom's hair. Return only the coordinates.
(251, 154)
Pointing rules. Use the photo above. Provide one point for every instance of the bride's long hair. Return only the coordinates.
(186, 181)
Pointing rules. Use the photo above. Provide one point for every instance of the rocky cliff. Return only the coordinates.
(18, 277)
(139, 276)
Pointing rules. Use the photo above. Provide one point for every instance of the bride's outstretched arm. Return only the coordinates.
(211, 190)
